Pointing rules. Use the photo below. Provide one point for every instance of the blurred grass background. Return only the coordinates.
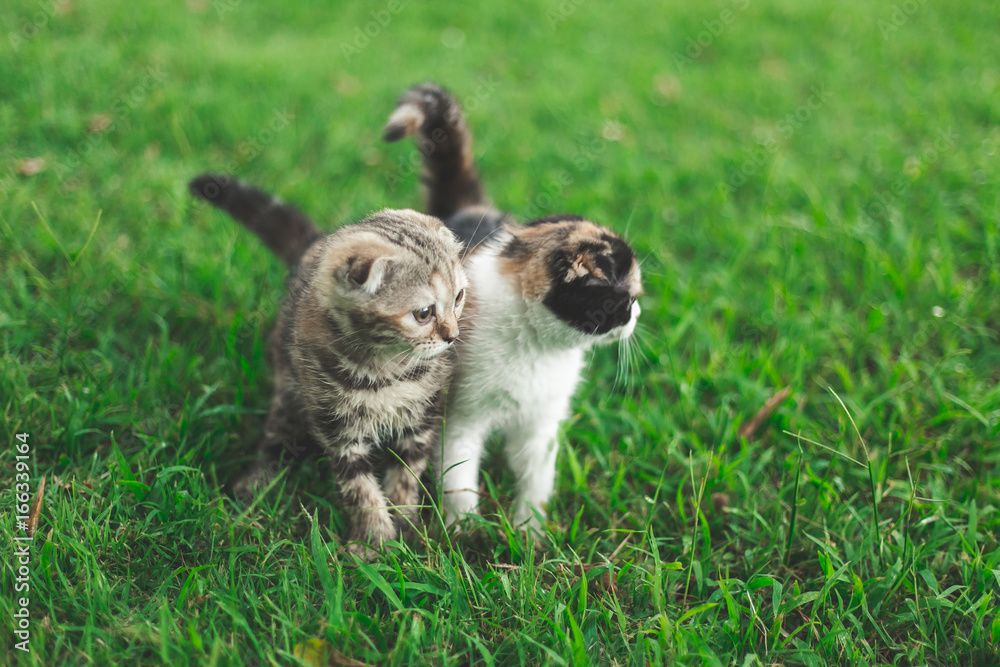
(813, 186)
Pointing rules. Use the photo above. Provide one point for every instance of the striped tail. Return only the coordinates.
(430, 115)
(286, 230)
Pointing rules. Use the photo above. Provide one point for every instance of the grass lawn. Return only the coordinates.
(814, 186)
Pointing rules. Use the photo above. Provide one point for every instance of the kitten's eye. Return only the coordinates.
(424, 314)
(461, 295)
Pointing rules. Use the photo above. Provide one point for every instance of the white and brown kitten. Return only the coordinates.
(541, 294)
(358, 348)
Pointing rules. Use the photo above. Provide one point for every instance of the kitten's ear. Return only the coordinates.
(366, 272)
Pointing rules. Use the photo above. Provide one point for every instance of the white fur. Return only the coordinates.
(518, 367)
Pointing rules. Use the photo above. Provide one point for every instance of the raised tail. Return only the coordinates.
(430, 115)
(454, 192)
(286, 230)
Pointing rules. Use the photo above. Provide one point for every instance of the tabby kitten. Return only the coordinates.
(358, 347)
(541, 295)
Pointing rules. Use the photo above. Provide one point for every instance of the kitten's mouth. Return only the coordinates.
(622, 331)
(431, 351)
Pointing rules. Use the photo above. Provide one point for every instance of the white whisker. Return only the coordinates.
(628, 224)
(471, 249)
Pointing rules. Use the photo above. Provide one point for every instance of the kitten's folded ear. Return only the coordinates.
(363, 264)
(366, 272)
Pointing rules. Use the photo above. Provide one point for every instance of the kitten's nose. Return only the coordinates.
(448, 331)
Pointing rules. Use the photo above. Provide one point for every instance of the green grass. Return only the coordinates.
(854, 262)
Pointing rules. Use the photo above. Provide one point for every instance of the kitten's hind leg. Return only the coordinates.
(284, 442)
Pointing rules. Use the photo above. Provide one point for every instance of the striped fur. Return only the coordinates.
(284, 229)
(355, 371)
(542, 294)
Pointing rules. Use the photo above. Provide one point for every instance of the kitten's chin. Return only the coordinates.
(622, 332)
(626, 331)
(430, 350)
(615, 335)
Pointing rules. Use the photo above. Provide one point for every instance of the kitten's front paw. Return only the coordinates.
(408, 524)
(529, 519)
(455, 521)
(458, 505)
(369, 531)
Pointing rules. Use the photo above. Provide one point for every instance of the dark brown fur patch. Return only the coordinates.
(528, 254)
